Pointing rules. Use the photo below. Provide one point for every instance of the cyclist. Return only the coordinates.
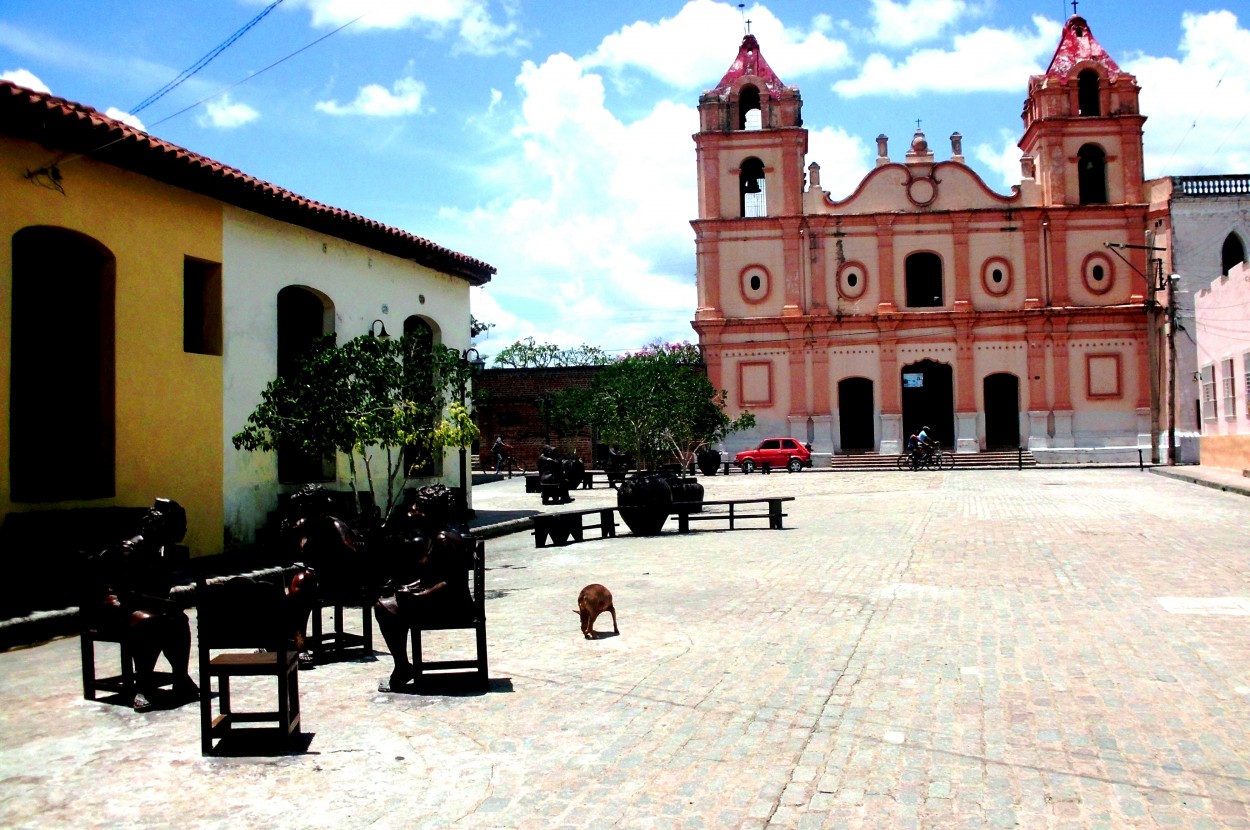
(500, 450)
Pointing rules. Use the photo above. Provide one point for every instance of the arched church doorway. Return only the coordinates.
(855, 415)
(928, 396)
(1002, 411)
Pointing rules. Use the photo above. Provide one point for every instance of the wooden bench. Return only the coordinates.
(568, 527)
(687, 513)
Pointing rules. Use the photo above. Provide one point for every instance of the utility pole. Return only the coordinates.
(1173, 283)
(1152, 343)
(1154, 284)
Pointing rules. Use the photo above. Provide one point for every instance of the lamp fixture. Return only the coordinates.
(382, 335)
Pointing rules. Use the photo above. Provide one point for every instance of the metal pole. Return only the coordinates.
(1173, 281)
(1152, 343)
(464, 484)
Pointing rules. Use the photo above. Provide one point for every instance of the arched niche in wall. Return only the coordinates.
(305, 315)
(62, 424)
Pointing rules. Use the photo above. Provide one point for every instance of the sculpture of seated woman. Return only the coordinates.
(429, 560)
(331, 558)
(128, 599)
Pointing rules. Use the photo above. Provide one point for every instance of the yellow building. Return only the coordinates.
(125, 290)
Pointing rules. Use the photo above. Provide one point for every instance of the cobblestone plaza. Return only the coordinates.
(1048, 648)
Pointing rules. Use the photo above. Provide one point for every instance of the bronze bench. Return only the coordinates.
(569, 526)
(686, 513)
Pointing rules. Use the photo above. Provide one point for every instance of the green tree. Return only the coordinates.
(528, 354)
(477, 327)
(369, 398)
(657, 403)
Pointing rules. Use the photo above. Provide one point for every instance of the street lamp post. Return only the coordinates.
(544, 403)
(471, 364)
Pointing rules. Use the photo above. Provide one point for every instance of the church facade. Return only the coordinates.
(925, 298)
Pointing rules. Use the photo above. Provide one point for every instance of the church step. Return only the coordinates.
(993, 460)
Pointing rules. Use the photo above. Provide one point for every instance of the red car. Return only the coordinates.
(776, 453)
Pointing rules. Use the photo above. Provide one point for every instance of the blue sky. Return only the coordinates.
(553, 139)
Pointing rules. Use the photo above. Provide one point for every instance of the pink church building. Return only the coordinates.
(925, 297)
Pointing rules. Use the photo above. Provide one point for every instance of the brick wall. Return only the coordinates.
(507, 406)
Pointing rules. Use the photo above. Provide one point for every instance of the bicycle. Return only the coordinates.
(511, 463)
(935, 459)
(931, 458)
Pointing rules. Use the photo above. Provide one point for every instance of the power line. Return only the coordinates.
(279, 61)
(204, 61)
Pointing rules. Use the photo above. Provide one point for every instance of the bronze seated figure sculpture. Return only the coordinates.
(428, 557)
(332, 561)
(127, 600)
(556, 475)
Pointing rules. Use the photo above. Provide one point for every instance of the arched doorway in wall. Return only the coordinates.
(928, 396)
(1002, 411)
(856, 415)
(304, 316)
(62, 385)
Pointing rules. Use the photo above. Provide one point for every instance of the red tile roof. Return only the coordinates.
(1078, 44)
(72, 128)
(750, 61)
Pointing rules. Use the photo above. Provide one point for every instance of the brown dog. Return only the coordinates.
(591, 602)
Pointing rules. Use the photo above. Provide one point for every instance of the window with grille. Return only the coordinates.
(1229, 384)
(1245, 394)
(1208, 392)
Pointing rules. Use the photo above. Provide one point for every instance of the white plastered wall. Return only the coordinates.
(262, 256)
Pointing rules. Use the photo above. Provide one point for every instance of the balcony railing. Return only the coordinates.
(1231, 185)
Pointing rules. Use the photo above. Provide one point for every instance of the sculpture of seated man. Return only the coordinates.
(429, 559)
(332, 561)
(129, 600)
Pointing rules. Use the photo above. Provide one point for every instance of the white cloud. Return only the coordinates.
(471, 20)
(1002, 160)
(375, 100)
(26, 78)
(125, 118)
(902, 24)
(225, 114)
(592, 233)
(1013, 55)
(843, 160)
(1197, 106)
(695, 47)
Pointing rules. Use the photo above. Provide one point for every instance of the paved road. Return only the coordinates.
(966, 649)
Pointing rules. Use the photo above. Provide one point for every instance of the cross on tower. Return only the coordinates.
(1073, 7)
(917, 125)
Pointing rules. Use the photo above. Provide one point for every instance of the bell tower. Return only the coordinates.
(1082, 126)
(749, 150)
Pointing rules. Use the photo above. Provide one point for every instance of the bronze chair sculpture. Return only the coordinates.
(127, 602)
(251, 617)
(432, 561)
